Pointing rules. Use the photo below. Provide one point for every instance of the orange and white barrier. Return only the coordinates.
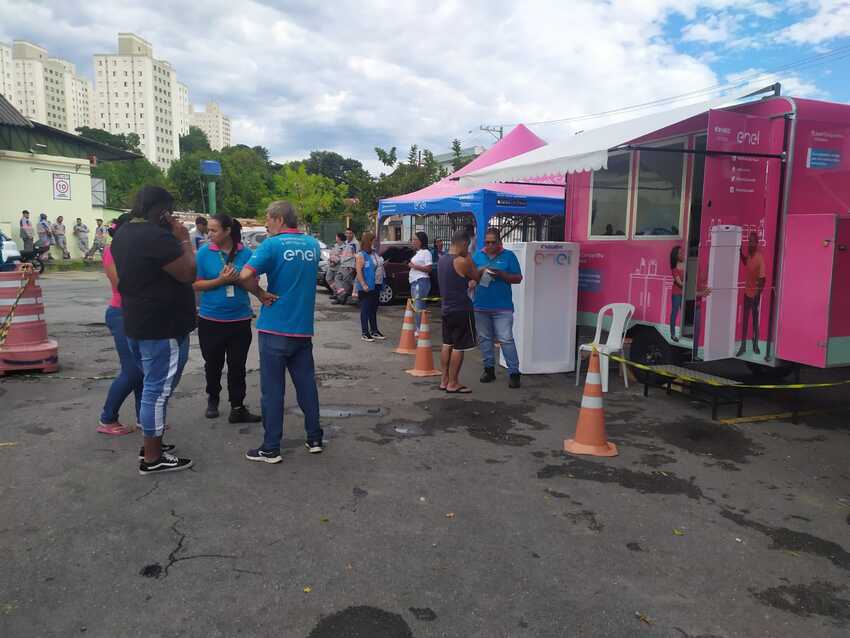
(24, 344)
(590, 437)
(424, 364)
(407, 341)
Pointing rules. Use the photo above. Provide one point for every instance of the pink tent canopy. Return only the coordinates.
(520, 140)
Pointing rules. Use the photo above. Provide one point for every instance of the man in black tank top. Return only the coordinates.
(456, 273)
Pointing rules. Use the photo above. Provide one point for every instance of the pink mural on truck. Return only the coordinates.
(724, 174)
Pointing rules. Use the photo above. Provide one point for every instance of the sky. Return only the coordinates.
(296, 76)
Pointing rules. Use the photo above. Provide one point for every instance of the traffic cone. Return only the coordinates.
(590, 435)
(24, 344)
(407, 341)
(424, 364)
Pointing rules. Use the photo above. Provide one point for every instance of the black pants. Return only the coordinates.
(222, 341)
(369, 311)
(751, 305)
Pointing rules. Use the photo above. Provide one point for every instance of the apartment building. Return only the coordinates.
(184, 109)
(136, 93)
(44, 89)
(7, 72)
(215, 124)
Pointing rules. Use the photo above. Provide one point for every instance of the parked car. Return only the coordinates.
(397, 256)
(253, 236)
(9, 254)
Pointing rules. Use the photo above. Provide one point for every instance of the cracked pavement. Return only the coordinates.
(434, 516)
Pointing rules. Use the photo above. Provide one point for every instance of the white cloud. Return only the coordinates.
(353, 74)
(792, 84)
(714, 29)
(830, 20)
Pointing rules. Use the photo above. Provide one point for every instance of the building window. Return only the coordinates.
(609, 207)
(659, 192)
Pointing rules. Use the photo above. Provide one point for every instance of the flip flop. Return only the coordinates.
(461, 389)
(442, 388)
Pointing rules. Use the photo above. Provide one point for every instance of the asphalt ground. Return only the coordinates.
(427, 515)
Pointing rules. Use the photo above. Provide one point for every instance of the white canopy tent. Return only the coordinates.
(586, 151)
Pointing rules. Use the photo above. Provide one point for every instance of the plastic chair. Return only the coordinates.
(621, 313)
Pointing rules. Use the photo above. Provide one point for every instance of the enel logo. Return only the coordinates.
(745, 137)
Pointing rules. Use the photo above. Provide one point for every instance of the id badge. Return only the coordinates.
(230, 291)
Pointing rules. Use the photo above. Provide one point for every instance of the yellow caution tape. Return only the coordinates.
(718, 384)
(7, 322)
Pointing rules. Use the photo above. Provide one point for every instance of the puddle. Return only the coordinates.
(362, 621)
(789, 540)
(485, 420)
(654, 483)
(705, 438)
(344, 411)
(818, 599)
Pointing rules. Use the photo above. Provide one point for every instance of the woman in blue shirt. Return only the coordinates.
(224, 317)
(366, 266)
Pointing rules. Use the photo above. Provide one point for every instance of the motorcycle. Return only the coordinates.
(34, 256)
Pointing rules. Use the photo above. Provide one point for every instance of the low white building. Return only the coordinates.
(215, 124)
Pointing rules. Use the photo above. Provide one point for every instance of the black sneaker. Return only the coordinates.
(262, 456)
(367, 337)
(240, 414)
(488, 375)
(212, 408)
(314, 447)
(165, 463)
(377, 335)
(514, 381)
(165, 450)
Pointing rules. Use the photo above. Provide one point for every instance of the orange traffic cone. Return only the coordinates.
(407, 341)
(590, 435)
(24, 344)
(424, 365)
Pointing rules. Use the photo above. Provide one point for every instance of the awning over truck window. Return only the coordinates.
(586, 151)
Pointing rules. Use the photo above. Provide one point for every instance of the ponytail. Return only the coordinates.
(235, 227)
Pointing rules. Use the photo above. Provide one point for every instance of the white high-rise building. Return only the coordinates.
(215, 124)
(48, 90)
(136, 93)
(7, 73)
(184, 108)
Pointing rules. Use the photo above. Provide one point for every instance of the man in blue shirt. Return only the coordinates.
(494, 306)
(290, 261)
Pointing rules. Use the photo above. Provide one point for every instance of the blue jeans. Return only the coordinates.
(278, 354)
(129, 379)
(419, 289)
(675, 305)
(497, 326)
(162, 362)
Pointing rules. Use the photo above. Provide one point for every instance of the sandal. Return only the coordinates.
(115, 429)
(461, 389)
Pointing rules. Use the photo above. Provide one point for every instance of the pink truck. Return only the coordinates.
(778, 168)
(773, 172)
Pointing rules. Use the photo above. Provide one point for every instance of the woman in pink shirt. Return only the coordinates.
(130, 378)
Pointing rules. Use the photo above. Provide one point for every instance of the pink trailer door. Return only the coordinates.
(806, 288)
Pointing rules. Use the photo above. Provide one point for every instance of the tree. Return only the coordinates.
(413, 155)
(315, 197)
(457, 155)
(125, 178)
(245, 181)
(388, 158)
(194, 140)
(188, 182)
(127, 142)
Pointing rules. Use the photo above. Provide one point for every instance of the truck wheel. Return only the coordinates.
(649, 348)
(770, 374)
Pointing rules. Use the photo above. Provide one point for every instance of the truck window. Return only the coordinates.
(610, 198)
(659, 192)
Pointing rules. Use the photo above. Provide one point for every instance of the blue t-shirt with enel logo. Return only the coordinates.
(290, 261)
(497, 296)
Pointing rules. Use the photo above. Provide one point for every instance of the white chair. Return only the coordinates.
(621, 313)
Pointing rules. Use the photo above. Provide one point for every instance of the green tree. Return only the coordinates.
(245, 181)
(194, 140)
(125, 178)
(388, 158)
(413, 155)
(189, 184)
(316, 197)
(125, 141)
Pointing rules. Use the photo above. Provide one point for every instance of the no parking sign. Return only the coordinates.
(61, 186)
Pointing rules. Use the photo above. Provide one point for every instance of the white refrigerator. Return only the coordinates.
(721, 307)
(545, 306)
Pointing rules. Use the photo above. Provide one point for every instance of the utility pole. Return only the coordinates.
(493, 130)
